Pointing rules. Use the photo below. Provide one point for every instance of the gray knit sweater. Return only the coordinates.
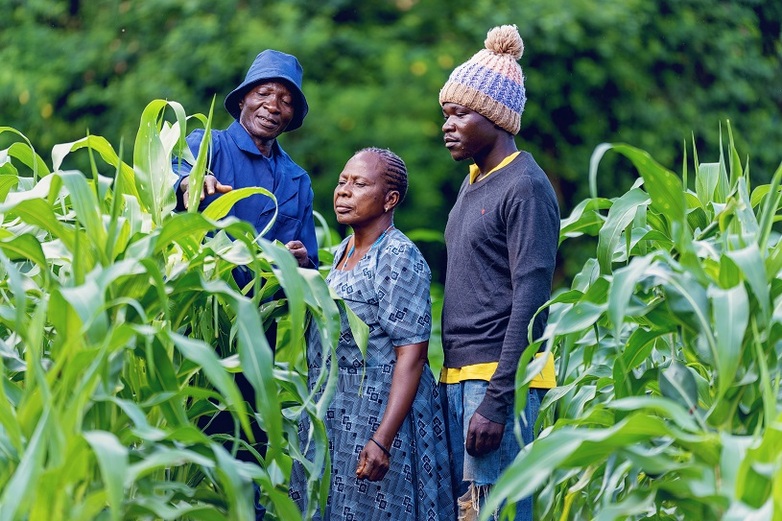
(501, 241)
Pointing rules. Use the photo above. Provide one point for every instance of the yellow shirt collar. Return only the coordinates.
(474, 172)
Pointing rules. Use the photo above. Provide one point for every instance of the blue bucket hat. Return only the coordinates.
(272, 65)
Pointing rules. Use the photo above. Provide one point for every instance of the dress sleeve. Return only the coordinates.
(402, 283)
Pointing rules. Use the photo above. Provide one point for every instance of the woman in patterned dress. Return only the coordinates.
(389, 455)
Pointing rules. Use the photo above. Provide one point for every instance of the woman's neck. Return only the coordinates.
(363, 240)
(365, 236)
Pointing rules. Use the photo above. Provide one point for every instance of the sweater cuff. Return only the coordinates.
(493, 410)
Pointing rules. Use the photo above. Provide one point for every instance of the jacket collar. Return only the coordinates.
(286, 171)
(246, 144)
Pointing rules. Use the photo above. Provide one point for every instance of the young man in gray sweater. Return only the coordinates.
(501, 240)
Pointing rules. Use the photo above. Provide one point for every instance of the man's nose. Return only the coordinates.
(273, 103)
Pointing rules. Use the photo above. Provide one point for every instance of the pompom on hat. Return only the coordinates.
(272, 65)
(491, 82)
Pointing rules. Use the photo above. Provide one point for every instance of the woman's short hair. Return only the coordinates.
(395, 171)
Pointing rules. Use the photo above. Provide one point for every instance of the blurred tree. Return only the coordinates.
(645, 73)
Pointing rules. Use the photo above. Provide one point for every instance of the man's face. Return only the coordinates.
(267, 110)
(466, 133)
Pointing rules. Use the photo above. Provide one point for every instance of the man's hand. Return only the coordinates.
(299, 251)
(483, 435)
(211, 186)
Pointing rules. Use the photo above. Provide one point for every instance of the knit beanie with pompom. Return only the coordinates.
(491, 82)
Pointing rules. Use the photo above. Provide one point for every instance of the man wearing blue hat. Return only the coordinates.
(267, 103)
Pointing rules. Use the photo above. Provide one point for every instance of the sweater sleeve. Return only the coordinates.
(532, 227)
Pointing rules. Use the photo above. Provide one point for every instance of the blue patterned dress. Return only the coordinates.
(389, 290)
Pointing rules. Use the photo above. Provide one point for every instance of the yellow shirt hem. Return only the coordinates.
(546, 379)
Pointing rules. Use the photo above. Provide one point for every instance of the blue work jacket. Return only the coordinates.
(236, 161)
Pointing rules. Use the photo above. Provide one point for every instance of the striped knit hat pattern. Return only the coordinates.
(491, 82)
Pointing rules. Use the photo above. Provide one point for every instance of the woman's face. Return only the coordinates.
(360, 195)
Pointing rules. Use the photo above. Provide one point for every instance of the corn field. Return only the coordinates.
(668, 350)
(121, 328)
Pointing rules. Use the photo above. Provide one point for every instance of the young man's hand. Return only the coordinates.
(483, 435)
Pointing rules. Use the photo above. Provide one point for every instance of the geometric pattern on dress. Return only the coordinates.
(389, 290)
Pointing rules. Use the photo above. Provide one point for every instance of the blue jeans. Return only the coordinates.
(474, 475)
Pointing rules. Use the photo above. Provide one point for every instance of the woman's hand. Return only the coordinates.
(373, 462)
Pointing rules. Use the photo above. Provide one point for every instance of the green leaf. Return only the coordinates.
(584, 219)
(7, 183)
(622, 288)
(734, 452)
(706, 180)
(161, 457)
(750, 261)
(221, 206)
(113, 461)
(770, 208)
(106, 152)
(21, 488)
(580, 316)
(620, 216)
(688, 301)
(730, 319)
(236, 485)
(678, 384)
(86, 207)
(204, 355)
(152, 162)
(25, 153)
(25, 247)
(570, 448)
(639, 347)
(201, 163)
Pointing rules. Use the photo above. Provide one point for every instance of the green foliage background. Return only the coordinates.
(668, 353)
(645, 73)
(658, 414)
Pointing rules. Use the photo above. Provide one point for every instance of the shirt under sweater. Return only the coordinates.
(501, 242)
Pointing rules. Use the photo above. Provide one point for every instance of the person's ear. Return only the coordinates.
(392, 199)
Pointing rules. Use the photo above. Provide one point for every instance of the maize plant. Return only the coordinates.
(120, 330)
(668, 348)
